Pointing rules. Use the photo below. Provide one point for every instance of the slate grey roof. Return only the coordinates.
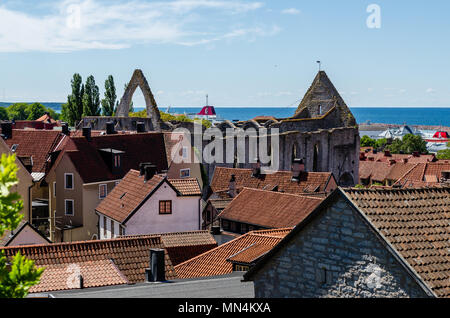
(228, 286)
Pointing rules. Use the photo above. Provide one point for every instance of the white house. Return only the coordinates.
(145, 203)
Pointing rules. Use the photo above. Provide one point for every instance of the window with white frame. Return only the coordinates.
(102, 191)
(68, 181)
(70, 207)
(185, 173)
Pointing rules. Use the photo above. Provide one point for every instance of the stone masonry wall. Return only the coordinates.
(336, 255)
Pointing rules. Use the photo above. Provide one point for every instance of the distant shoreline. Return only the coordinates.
(383, 127)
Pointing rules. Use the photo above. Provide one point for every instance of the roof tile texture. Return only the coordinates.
(214, 262)
(416, 223)
(309, 181)
(269, 209)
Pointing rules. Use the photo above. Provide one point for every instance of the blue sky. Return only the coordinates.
(242, 53)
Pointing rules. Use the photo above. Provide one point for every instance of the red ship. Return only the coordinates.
(439, 136)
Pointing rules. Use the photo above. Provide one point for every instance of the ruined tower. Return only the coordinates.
(138, 80)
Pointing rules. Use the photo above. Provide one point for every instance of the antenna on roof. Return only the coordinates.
(320, 64)
(207, 100)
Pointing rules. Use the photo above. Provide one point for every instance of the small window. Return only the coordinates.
(112, 229)
(117, 161)
(68, 185)
(102, 191)
(185, 152)
(14, 148)
(165, 207)
(54, 189)
(69, 207)
(185, 173)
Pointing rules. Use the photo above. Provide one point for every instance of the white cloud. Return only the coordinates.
(430, 90)
(292, 11)
(104, 25)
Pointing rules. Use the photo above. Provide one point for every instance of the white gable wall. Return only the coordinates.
(147, 220)
(28, 236)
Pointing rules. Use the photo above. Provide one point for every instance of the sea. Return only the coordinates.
(430, 116)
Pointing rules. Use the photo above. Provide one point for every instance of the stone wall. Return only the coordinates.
(336, 255)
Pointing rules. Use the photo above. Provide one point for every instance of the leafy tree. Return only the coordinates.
(17, 111)
(366, 141)
(409, 144)
(35, 111)
(91, 98)
(444, 154)
(3, 113)
(108, 104)
(72, 111)
(15, 278)
(381, 143)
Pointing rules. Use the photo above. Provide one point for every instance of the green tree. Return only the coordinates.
(72, 111)
(15, 278)
(366, 141)
(91, 98)
(17, 111)
(381, 143)
(35, 111)
(409, 144)
(444, 154)
(3, 113)
(109, 102)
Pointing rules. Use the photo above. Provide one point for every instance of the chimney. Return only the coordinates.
(215, 230)
(375, 151)
(297, 167)
(150, 171)
(232, 186)
(362, 156)
(65, 129)
(416, 154)
(7, 130)
(387, 153)
(140, 127)
(256, 169)
(371, 158)
(392, 162)
(156, 272)
(87, 133)
(110, 128)
(405, 160)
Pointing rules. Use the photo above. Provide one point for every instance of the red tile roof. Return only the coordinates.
(133, 190)
(382, 157)
(269, 209)
(127, 196)
(182, 246)
(187, 187)
(381, 171)
(214, 262)
(416, 223)
(309, 181)
(424, 174)
(96, 273)
(37, 144)
(130, 255)
(137, 148)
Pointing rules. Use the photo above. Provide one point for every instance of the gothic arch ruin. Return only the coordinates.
(138, 80)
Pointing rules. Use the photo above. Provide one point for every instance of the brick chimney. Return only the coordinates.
(232, 186)
(387, 153)
(140, 127)
(7, 130)
(297, 168)
(87, 133)
(110, 130)
(416, 154)
(65, 129)
(150, 171)
(392, 162)
(256, 169)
